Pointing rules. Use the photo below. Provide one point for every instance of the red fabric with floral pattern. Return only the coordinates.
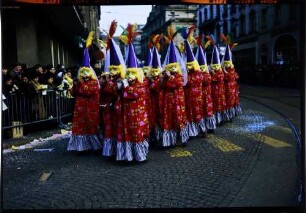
(172, 103)
(154, 90)
(218, 93)
(135, 128)
(231, 88)
(116, 116)
(208, 109)
(146, 97)
(86, 109)
(194, 96)
(108, 98)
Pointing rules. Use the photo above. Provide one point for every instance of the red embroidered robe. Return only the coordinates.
(86, 109)
(172, 104)
(135, 115)
(208, 109)
(218, 93)
(154, 90)
(231, 91)
(193, 97)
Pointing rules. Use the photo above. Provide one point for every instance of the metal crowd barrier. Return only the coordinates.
(43, 106)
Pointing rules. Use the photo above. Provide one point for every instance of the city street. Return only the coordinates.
(253, 161)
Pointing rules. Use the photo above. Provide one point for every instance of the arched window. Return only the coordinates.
(200, 17)
(242, 25)
(277, 15)
(211, 11)
(205, 14)
(285, 49)
(252, 18)
(292, 12)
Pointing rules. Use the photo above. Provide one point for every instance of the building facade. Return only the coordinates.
(163, 16)
(266, 34)
(46, 35)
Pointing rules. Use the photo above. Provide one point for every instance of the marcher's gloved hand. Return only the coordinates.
(125, 83)
(119, 85)
(168, 73)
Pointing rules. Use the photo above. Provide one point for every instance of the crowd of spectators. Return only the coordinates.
(35, 90)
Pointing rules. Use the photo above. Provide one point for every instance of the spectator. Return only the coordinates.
(40, 72)
(68, 80)
(38, 107)
(16, 73)
(4, 71)
(59, 74)
(9, 87)
(50, 82)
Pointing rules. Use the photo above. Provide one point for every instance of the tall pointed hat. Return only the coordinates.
(86, 59)
(201, 53)
(173, 56)
(114, 57)
(187, 34)
(156, 66)
(155, 62)
(215, 58)
(131, 60)
(227, 58)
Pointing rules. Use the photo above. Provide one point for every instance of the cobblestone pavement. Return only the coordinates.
(208, 172)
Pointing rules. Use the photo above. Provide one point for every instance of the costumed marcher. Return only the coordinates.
(86, 135)
(171, 99)
(113, 115)
(208, 110)
(230, 78)
(135, 119)
(145, 69)
(193, 89)
(217, 83)
(154, 75)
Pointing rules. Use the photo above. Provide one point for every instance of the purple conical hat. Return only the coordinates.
(201, 56)
(114, 59)
(132, 61)
(215, 59)
(155, 59)
(86, 59)
(149, 58)
(172, 56)
(228, 54)
(189, 54)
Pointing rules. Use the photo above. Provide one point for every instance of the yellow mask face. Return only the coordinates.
(132, 74)
(173, 67)
(85, 73)
(145, 69)
(215, 66)
(227, 64)
(116, 71)
(154, 72)
(194, 65)
(204, 68)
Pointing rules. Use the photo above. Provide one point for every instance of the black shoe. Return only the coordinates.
(210, 131)
(184, 144)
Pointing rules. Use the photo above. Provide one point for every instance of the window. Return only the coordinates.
(277, 14)
(292, 12)
(242, 25)
(252, 22)
(205, 14)
(264, 18)
(233, 10)
(211, 11)
(225, 28)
